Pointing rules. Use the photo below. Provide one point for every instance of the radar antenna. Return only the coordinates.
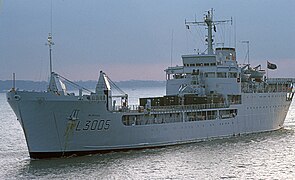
(210, 23)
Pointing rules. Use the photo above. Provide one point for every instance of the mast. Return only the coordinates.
(210, 23)
(50, 44)
(248, 50)
(52, 82)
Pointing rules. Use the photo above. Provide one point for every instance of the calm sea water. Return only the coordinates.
(258, 156)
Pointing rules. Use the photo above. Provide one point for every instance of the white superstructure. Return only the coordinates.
(209, 96)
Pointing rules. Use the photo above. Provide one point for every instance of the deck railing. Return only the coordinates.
(165, 109)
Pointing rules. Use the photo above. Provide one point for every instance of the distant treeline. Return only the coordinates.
(42, 85)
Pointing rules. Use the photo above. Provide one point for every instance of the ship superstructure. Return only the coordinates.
(209, 96)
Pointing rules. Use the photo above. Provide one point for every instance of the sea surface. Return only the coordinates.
(268, 155)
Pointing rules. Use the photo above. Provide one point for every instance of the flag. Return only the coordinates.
(271, 65)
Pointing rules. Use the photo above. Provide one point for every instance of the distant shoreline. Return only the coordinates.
(6, 85)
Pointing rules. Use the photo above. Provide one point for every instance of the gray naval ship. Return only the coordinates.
(209, 96)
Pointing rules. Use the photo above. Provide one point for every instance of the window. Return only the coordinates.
(232, 75)
(225, 114)
(235, 99)
(221, 75)
(211, 115)
(210, 74)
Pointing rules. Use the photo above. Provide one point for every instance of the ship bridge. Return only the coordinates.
(204, 74)
(213, 73)
(198, 60)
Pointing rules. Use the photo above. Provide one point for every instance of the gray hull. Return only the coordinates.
(64, 125)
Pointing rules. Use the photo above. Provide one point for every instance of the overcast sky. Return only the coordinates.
(131, 39)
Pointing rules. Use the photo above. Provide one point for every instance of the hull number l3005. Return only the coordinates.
(93, 125)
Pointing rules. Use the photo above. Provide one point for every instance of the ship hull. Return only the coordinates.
(56, 126)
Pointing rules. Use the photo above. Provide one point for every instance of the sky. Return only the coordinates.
(137, 39)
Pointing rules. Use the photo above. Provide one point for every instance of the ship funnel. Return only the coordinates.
(226, 54)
